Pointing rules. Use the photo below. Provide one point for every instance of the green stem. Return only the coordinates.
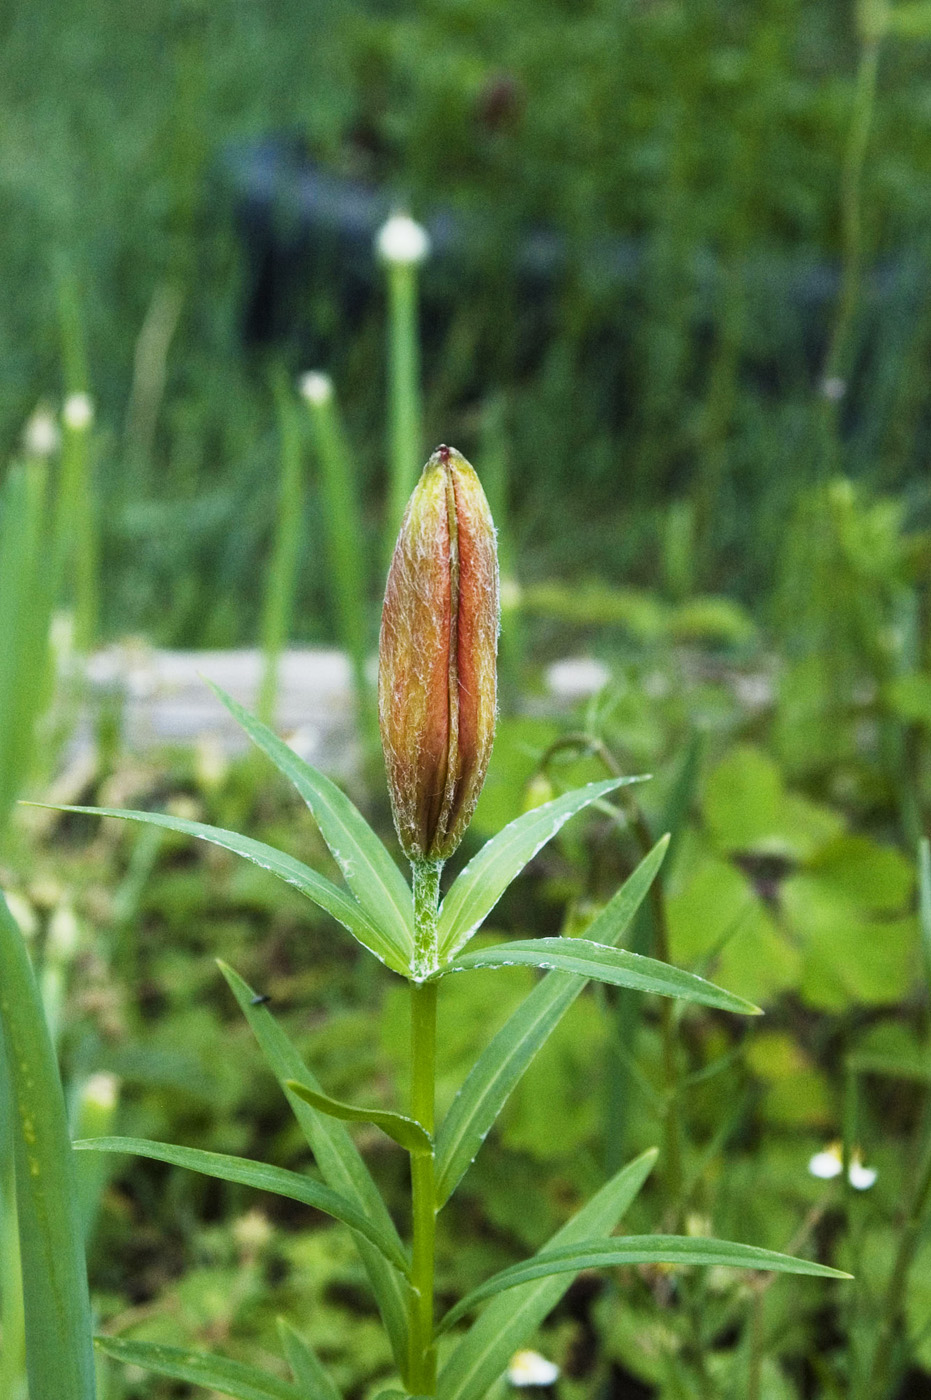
(404, 406)
(422, 1361)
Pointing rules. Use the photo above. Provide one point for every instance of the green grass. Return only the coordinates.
(700, 130)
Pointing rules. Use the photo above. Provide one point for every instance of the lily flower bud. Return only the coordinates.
(436, 658)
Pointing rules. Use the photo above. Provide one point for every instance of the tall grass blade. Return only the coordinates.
(281, 583)
(59, 1350)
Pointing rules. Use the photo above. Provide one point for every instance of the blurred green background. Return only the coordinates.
(679, 316)
(716, 139)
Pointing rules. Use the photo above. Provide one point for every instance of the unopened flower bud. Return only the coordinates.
(436, 671)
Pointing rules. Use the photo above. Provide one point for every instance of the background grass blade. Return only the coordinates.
(310, 883)
(481, 884)
(314, 1380)
(505, 1324)
(261, 1177)
(637, 1249)
(406, 1132)
(59, 1350)
(212, 1372)
(338, 1158)
(500, 1066)
(367, 867)
(613, 965)
(924, 903)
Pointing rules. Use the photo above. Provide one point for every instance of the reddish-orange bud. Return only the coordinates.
(436, 658)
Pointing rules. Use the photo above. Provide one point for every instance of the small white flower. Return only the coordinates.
(833, 388)
(576, 677)
(530, 1368)
(102, 1090)
(860, 1177)
(315, 387)
(828, 1163)
(40, 435)
(402, 241)
(78, 412)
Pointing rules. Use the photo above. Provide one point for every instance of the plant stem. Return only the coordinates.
(422, 1360)
(404, 406)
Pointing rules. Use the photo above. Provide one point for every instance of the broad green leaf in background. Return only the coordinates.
(59, 1349)
(500, 1066)
(747, 808)
(605, 964)
(315, 1381)
(339, 1160)
(484, 1352)
(635, 1249)
(310, 883)
(716, 913)
(406, 1132)
(261, 1177)
(367, 867)
(212, 1372)
(481, 884)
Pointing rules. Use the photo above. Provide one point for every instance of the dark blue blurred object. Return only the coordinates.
(303, 229)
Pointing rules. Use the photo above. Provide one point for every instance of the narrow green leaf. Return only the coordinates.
(339, 1160)
(484, 1352)
(406, 1132)
(636, 1249)
(367, 867)
(212, 1372)
(924, 902)
(613, 965)
(481, 884)
(261, 1177)
(500, 1066)
(310, 883)
(315, 1381)
(59, 1350)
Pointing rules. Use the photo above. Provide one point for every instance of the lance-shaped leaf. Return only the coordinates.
(613, 965)
(367, 868)
(406, 1132)
(635, 1249)
(261, 1177)
(310, 882)
(338, 1158)
(481, 884)
(484, 1352)
(501, 1064)
(59, 1351)
(213, 1372)
(314, 1380)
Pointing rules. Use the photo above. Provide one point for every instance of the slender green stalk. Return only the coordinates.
(422, 1365)
(342, 519)
(282, 576)
(404, 400)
